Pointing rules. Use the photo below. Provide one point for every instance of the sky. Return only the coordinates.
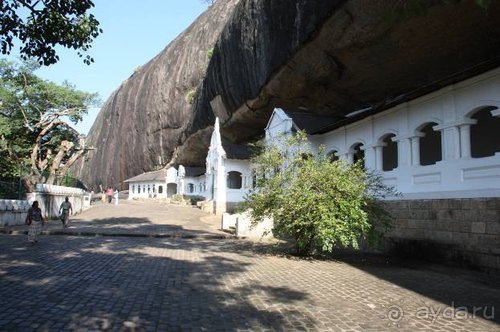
(134, 33)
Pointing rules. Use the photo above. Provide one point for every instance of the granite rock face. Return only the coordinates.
(144, 119)
(322, 56)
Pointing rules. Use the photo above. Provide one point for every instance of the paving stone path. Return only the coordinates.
(135, 218)
(141, 283)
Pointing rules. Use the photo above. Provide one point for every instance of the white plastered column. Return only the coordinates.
(450, 140)
(404, 150)
(130, 193)
(345, 156)
(220, 188)
(378, 155)
(415, 150)
(370, 158)
(464, 138)
(455, 139)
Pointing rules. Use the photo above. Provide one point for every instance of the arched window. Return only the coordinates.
(234, 180)
(139, 189)
(358, 155)
(430, 145)
(484, 135)
(190, 188)
(160, 189)
(333, 155)
(133, 189)
(389, 153)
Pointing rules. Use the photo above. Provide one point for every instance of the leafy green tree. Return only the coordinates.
(40, 25)
(34, 132)
(316, 203)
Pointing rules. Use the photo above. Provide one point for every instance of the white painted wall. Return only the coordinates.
(199, 185)
(242, 166)
(148, 189)
(457, 175)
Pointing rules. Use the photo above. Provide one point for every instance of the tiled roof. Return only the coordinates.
(149, 176)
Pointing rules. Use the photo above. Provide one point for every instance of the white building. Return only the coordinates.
(228, 173)
(443, 145)
(192, 181)
(157, 184)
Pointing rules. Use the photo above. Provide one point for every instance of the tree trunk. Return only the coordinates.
(66, 146)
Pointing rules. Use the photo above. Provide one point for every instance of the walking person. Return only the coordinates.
(109, 194)
(35, 220)
(116, 194)
(65, 210)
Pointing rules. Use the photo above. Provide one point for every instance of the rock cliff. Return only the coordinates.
(145, 118)
(326, 57)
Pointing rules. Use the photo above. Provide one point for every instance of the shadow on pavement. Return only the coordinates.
(119, 226)
(470, 292)
(84, 283)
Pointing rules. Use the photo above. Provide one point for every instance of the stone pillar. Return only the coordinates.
(209, 190)
(220, 189)
(379, 157)
(450, 140)
(180, 187)
(465, 146)
(464, 137)
(370, 158)
(344, 156)
(415, 150)
(349, 157)
(404, 150)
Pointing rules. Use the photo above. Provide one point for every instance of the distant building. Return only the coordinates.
(192, 181)
(157, 184)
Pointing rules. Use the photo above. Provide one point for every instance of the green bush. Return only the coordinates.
(191, 96)
(177, 198)
(314, 202)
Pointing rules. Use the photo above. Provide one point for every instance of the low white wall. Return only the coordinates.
(228, 221)
(243, 224)
(50, 198)
(13, 212)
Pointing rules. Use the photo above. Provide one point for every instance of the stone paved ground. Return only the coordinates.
(149, 218)
(122, 283)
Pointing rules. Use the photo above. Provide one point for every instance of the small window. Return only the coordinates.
(389, 153)
(430, 145)
(333, 155)
(484, 134)
(358, 155)
(133, 189)
(234, 180)
(160, 189)
(190, 188)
